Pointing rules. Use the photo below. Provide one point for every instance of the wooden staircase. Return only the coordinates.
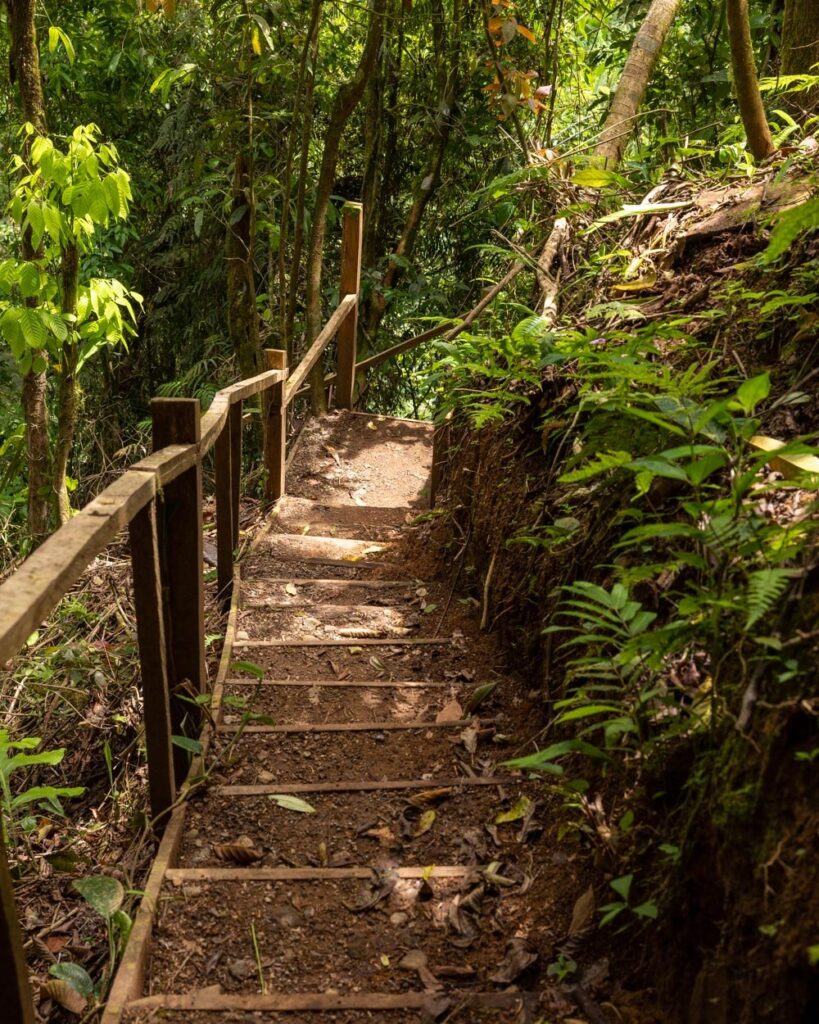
(332, 693)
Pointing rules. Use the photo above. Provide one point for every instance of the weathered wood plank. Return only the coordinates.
(224, 514)
(236, 426)
(18, 1007)
(150, 615)
(218, 1002)
(350, 284)
(326, 335)
(214, 422)
(175, 421)
(386, 684)
(27, 597)
(275, 433)
(252, 386)
(169, 463)
(354, 786)
(416, 724)
(177, 875)
(441, 641)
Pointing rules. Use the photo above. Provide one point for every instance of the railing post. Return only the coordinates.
(346, 342)
(275, 430)
(149, 603)
(224, 514)
(179, 527)
(236, 427)
(18, 1007)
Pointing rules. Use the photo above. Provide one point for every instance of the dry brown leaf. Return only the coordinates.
(430, 796)
(583, 912)
(238, 852)
(519, 956)
(66, 995)
(451, 712)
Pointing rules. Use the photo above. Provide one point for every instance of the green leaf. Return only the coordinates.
(77, 977)
(249, 668)
(478, 696)
(647, 909)
(622, 886)
(598, 177)
(753, 391)
(292, 803)
(516, 812)
(187, 743)
(104, 894)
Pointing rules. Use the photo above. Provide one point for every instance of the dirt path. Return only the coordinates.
(349, 860)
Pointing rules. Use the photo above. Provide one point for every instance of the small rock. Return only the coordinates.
(399, 918)
(413, 960)
(265, 777)
(286, 916)
(241, 969)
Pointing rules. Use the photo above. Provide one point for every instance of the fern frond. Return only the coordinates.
(765, 587)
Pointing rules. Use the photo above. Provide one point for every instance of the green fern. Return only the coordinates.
(790, 224)
(765, 587)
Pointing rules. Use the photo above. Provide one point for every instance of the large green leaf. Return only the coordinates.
(104, 894)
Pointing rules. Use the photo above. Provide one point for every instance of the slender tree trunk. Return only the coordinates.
(746, 83)
(241, 286)
(373, 158)
(631, 90)
(68, 387)
(301, 192)
(800, 46)
(24, 69)
(447, 60)
(346, 100)
(298, 116)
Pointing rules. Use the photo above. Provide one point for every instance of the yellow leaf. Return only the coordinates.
(495, 24)
(527, 33)
(255, 41)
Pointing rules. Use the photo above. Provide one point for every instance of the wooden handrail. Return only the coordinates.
(347, 305)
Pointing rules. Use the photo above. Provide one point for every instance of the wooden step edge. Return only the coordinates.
(208, 1000)
(416, 724)
(303, 581)
(377, 546)
(441, 641)
(384, 684)
(238, 874)
(256, 605)
(356, 786)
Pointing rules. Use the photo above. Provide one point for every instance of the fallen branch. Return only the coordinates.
(547, 281)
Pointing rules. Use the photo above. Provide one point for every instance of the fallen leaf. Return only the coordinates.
(67, 996)
(430, 796)
(519, 956)
(516, 812)
(425, 823)
(386, 837)
(240, 852)
(413, 959)
(291, 589)
(451, 712)
(469, 738)
(479, 695)
(292, 803)
(583, 912)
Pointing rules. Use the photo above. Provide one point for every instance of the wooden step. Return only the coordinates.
(386, 684)
(238, 874)
(389, 726)
(303, 516)
(222, 1002)
(356, 786)
(441, 641)
(295, 547)
(335, 621)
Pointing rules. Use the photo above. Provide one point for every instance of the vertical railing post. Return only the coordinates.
(275, 431)
(224, 514)
(179, 526)
(347, 338)
(149, 604)
(236, 427)
(18, 1007)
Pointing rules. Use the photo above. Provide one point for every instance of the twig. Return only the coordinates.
(486, 583)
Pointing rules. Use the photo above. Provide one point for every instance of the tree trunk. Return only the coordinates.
(24, 69)
(631, 90)
(241, 286)
(447, 61)
(746, 83)
(800, 46)
(346, 100)
(67, 392)
(301, 96)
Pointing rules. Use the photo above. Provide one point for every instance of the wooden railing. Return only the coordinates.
(159, 501)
